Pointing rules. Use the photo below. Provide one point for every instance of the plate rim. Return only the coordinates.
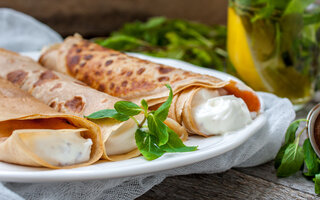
(143, 168)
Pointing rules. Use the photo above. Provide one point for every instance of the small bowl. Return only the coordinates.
(314, 128)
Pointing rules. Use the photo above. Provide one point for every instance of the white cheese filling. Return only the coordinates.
(216, 114)
(122, 140)
(58, 147)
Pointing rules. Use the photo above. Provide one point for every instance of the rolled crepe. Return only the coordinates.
(134, 79)
(71, 96)
(33, 134)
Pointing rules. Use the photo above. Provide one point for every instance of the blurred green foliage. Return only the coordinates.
(192, 42)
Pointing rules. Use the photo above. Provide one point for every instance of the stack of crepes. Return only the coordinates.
(68, 95)
(133, 79)
(33, 134)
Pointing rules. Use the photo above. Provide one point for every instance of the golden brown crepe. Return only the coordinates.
(71, 96)
(134, 79)
(23, 117)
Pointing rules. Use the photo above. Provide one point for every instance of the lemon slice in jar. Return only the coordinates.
(239, 52)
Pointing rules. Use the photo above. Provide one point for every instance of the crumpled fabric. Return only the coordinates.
(260, 148)
(21, 32)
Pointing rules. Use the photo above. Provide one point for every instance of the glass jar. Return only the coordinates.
(274, 46)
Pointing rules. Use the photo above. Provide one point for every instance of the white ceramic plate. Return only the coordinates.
(208, 148)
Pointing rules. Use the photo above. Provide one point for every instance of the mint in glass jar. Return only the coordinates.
(274, 45)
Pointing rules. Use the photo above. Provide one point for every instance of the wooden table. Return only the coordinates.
(258, 182)
(242, 183)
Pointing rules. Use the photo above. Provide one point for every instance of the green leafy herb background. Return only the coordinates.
(192, 42)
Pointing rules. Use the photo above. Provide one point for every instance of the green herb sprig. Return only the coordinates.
(153, 137)
(292, 156)
(173, 38)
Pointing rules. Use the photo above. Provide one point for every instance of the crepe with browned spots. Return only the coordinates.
(71, 96)
(131, 78)
(21, 112)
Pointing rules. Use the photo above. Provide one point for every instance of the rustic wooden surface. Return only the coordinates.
(258, 182)
(248, 183)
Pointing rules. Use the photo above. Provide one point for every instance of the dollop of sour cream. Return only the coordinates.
(59, 148)
(220, 114)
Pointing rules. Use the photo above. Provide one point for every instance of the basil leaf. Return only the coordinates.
(108, 113)
(317, 184)
(158, 128)
(175, 144)
(278, 159)
(127, 108)
(147, 145)
(144, 105)
(310, 158)
(162, 112)
(292, 160)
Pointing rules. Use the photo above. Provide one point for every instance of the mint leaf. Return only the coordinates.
(292, 160)
(122, 42)
(289, 138)
(278, 159)
(127, 108)
(297, 6)
(291, 131)
(317, 184)
(175, 144)
(144, 105)
(265, 12)
(310, 158)
(162, 112)
(155, 139)
(158, 128)
(147, 145)
(154, 22)
(108, 113)
(174, 38)
(311, 18)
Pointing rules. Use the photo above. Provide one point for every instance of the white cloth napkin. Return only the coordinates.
(260, 148)
(20, 32)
